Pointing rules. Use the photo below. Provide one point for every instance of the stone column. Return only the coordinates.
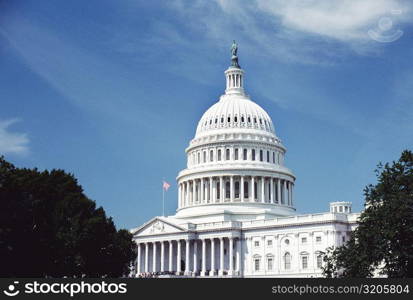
(231, 256)
(154, 258)
(211, 194)
(221, 257)
(231, 187)
(212, 271)
(187, 257)
(193, 191)
(221, 186)
(252, 189)
(178, 261)
(262, 189)
(202, 191)
(146, 257)
(242, 189)
(272, 190)
(162, 256)
(180, 196)
(195, 267)
(203, 270)
(186, 194)
(238, 256)
(170, 256)
(138, 262)
(279, 191)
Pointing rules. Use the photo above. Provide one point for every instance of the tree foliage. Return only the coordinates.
(382, 244)
(49, 228)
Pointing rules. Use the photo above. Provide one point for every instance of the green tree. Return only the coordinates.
(382, 244)
(48, 227)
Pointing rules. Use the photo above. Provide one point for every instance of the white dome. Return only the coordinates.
(234, 112)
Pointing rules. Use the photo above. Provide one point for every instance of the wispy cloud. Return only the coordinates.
(12, 142)
(314, 32)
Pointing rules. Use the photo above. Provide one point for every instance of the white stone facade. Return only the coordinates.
(236, 215)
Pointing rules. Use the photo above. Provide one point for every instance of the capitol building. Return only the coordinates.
(236, 214)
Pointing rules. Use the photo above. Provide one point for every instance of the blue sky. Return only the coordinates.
(112, 90)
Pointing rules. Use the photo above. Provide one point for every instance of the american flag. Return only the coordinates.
(166, 185)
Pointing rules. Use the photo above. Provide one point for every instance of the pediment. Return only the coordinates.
(157, 226)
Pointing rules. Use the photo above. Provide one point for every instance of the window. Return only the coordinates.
(216, 120)
(246, 190)
(199, 157)
(287, 261)
(236, 189)
(340, 209)
(261, 158)
(319, 261)
(304, 240)
(255, 190)
(236, 154)
(256, 264)
(242, 119)
(269, 243)
(256, 243)
(222, 120)
(273, 157)
(304, 262)
(219, 154)
(268, 156)
(229, 119)
(204, 156)
(227, 190)
(227, 154)
(343, 238)
(211, 155)
(255, 120)
(318, 239)
(245, 154)
(253, 154)
(218, 190)
(235, 119)
(270, 263)
(249, 119)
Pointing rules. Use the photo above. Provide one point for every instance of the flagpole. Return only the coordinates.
(163, 202)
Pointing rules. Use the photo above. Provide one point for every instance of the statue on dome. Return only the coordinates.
(234, 58)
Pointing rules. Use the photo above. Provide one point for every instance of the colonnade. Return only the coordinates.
(221, 189)
(204, 257)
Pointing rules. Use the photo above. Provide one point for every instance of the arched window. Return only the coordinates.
(235, 119)
(304, 261)
(227, 190)
(319, 261)
(229, 119)
(287, 261)
(268, 156)
(257, 263)
(219, 154)
(236, 154)
(253, 154)
(236, 189)
(246, 192)
(270, 263)
(227, 154)
(211, 155)
(261, 156)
